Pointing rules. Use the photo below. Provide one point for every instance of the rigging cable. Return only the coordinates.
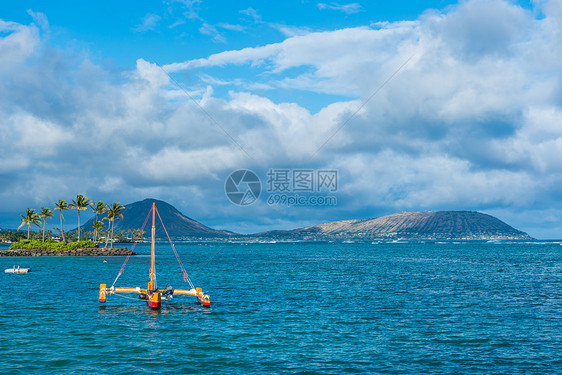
(131, 252)
(185, 276)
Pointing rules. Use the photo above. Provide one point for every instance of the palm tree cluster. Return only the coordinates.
(81, 203)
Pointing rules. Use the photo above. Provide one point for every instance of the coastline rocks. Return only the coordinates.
(83, 252)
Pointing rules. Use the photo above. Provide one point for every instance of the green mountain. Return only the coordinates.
(177, 224)
(423, 225)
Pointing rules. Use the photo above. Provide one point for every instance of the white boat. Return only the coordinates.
(17, 269)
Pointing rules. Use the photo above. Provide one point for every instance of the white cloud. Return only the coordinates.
(230, 27)
(173, 165)
(151, 73)
(189, 8)
(431, 181)
(291, 31)
(537, 143)
(251, 12)
(34, 137)
(213, 32)
(341, 61)
(346, 8)
(40, 19)
(149, 22)
(471, 122)
(253, 55)
(111, 183)
(17, 44)
(482, 27)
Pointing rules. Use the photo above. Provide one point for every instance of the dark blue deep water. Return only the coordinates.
(302, 308)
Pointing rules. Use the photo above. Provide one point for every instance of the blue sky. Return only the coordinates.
(434, 105)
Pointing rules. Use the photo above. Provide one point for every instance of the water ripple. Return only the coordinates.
(295, 308)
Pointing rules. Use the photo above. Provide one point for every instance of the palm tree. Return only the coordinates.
(114, 212)
(98, 225)
(61, 205)
(98, 209)
(46, 213)
(138, 235)
(30, 217)
(80, 203)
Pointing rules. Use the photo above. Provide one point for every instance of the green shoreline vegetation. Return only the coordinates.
(71, 240)
(52, 245)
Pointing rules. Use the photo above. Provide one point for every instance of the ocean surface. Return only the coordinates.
(297, 308)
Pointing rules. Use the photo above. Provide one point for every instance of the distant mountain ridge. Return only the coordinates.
(177, 224)
(419, 225)
(424, 225)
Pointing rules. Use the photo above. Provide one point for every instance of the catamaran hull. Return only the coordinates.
(154, 300)
(205, 301)
(152, 295)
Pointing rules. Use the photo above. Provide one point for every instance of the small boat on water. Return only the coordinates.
(152, 294)
(17, 269)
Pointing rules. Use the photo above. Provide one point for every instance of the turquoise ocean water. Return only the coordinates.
(302, 308)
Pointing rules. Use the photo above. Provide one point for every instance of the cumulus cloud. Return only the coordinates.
(17, 44)
(470, 122)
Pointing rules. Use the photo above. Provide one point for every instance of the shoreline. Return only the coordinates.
(90, 251)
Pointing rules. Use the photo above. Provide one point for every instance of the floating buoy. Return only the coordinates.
(102, 295)
(17, 269)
